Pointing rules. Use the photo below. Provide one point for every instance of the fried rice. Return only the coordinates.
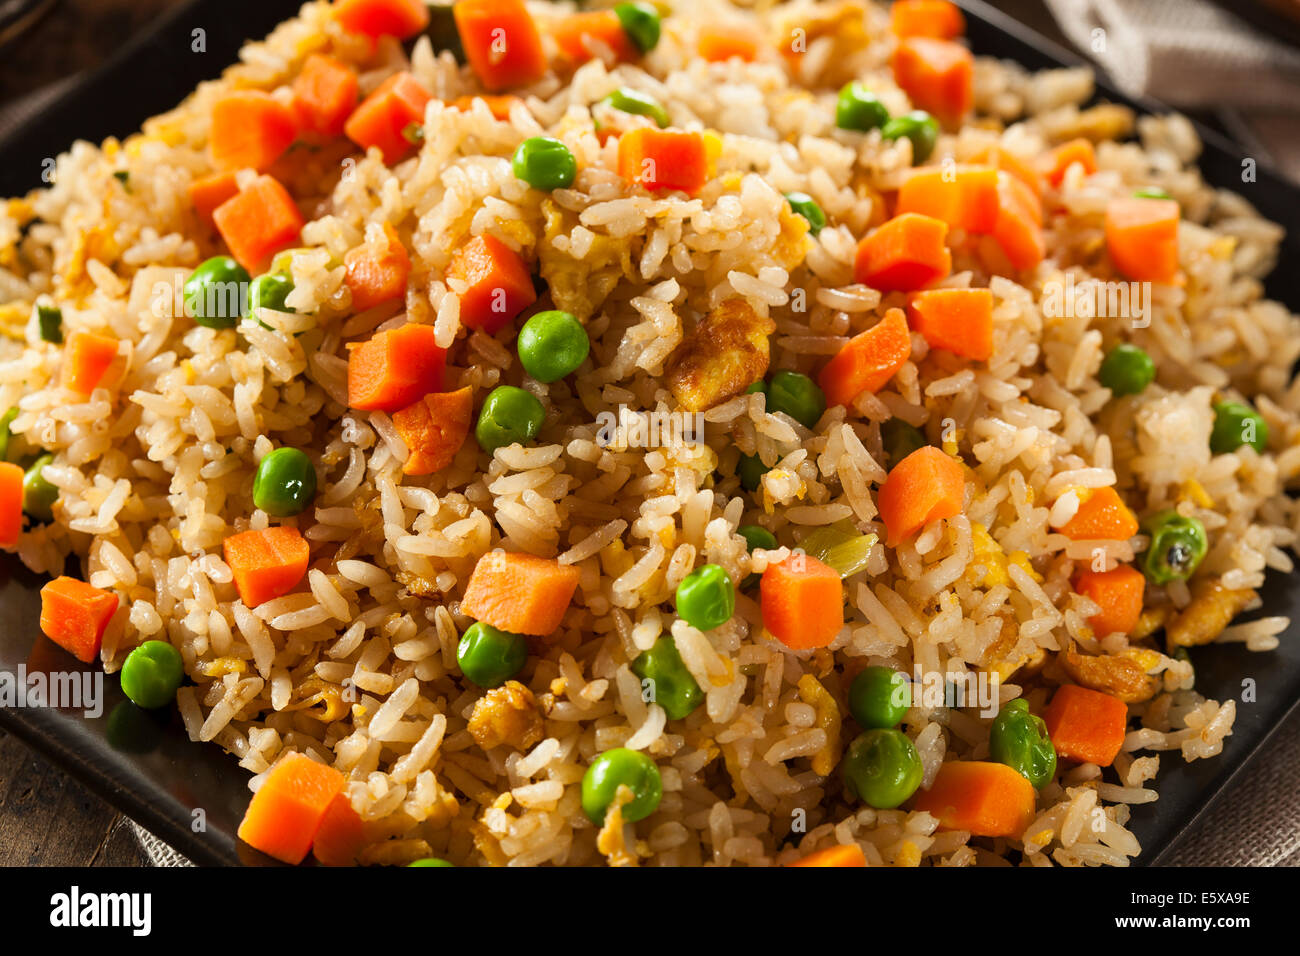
(357, 667)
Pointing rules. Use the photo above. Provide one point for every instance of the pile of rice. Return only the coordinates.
(358, 668)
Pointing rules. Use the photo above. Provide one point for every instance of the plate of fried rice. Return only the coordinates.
(506, 433)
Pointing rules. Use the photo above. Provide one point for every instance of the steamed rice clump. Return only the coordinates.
(357, 667)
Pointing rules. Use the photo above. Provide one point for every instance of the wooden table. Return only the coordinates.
(48, 819)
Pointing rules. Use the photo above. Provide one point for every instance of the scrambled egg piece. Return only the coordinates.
(580, 285)
(812, 692)
(793, 242)
(1212, 608)
(1123, 676)
(1001, 654)
(611, 841)
(988, 567)
(506, 715)
(725, 354)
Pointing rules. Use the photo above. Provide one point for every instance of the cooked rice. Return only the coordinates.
(357, 668)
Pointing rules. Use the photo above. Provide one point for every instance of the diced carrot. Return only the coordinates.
(520, 592)
(395, 368)
(846, 854)
(928, 485)
(904, 254)
(250, 128)
(1142, 238)
(208, 193)
(959, 320)
(578, 33)
(867, 361)
(388, 117)
(434, 428)
(499, 285)
(719, 42)
(376, 18)
(1102, 514)
(377, 272)
(926, 18)
(257, 222)
(984, 798)
(965, 197)
(500, 106)
(937, 76)
(324, 94)
(1008, 162)
(75, 616)
(1118, 592)
(663, 159)
(341, 834)
(1066, 155)
(266, 563)
(284, 815)
(1018, 229)
(802, 601)
(87, 357)
(501, 42)
(1086, 725)
(11, 503)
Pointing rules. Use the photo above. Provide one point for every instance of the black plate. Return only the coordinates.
(145, 765)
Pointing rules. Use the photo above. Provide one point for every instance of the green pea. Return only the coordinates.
(1237, 424)
(38, 494)
(1126, 370)
(639, 104)
(430, 861)
(5, 434)
(544, 163)
(675, 690)
(796, 395)
(859, 109)
(151, 674)
(706, 598)
(756, 537)
(757, 388)
(640, 22)
(807, 207)
(508, 415)
(879, 697)
(552, 344)
(751, 470)
(882, 768)
(918, 126)
(900, 439)
(1020, 740)
(285, 483)
(621, 767)
(268, 291)
(49, 320)
(1152, 192)
(214, 293)
(1178, 544)
(490, 657)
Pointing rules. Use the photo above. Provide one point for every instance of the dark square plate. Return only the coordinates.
(193, 795)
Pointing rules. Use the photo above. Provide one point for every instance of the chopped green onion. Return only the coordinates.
(49, 318)
(5, 434)
(840, 546)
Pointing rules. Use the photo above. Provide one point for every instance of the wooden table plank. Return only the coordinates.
(49, 819)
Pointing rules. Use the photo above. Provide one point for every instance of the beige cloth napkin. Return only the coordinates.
(1194, 54)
